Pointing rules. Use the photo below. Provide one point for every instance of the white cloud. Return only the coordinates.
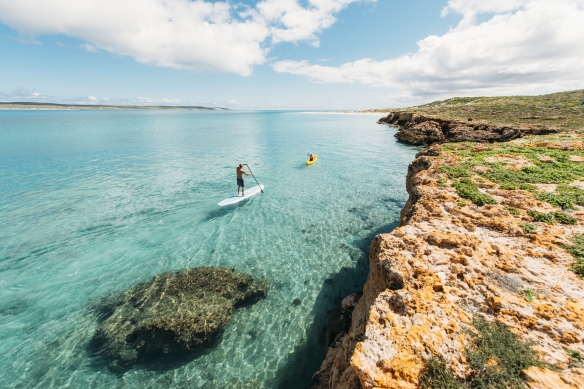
(22, 94)
(527, 46)
(198, 35)
(88, 47)
(93, 100)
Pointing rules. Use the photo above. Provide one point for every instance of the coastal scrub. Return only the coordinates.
(496, 358)
(577, 251)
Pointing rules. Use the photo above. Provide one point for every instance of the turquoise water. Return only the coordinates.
(93, 202)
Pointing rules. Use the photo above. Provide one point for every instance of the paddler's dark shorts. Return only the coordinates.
(240, 182)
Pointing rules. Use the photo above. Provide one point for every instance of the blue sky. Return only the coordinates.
(281, 54)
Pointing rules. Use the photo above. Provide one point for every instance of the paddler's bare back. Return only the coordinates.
(240, 172)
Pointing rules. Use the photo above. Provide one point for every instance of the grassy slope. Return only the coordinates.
(562, 110)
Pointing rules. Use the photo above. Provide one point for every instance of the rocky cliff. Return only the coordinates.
(424, 130)
(490, 232)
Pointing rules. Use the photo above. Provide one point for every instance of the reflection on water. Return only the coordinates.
(94, 202)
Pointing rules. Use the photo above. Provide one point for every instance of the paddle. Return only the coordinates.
(254, 177)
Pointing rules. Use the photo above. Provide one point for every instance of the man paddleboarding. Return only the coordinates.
(240, 184)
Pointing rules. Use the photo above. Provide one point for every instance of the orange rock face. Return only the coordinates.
(446, 263)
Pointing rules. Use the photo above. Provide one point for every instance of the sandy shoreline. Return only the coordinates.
(344, 113)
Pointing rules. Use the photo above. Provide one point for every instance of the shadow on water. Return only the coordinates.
(302, 166)
(307, 358)
(222, 211)
(161, 363)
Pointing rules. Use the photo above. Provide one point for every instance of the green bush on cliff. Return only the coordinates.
(577, 251)
(454, 171)
(541, 217)
(561, 171)
(470, 191)
(564, 218)
(515, 186)
(496, 358)
(551, 218)
(557, 200)
(566, 196)
(513, 211)
(436, 375)
(528, 228)
(544, 174)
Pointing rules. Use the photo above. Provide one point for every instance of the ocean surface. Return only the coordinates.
(92, 202)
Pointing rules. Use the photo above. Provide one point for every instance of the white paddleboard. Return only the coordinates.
(237, 198)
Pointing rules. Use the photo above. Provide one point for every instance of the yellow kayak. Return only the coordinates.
(309, 162)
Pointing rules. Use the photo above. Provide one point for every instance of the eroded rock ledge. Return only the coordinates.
(451, 260)
(423, 130)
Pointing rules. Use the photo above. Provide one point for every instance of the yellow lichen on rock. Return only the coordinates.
(447, 263)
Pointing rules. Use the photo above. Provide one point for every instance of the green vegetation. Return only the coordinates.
(529, 295)
(515, 186)
(566, 196)
(437, 376)
(470, 191)
(542, 173)
(441, 182)
(496, 358)
(577, 251)
(541, 217)
(561, 110)
(574, 355)
(513, 211)
(528, 228)
(455, 171)
(494, 161)
(564, 218)
(461, 204)
(576, 359)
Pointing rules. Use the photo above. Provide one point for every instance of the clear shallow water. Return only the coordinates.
(93, 202)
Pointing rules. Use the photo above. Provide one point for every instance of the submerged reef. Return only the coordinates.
(482, 283)
(173, 313)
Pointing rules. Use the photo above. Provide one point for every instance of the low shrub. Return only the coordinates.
(557, 200)
(529, 295)
(496, 358)
(470, 191)
(515, 186)
(577, 251)
(436, 375)
(564, 218)
(513, 211)
(541, 217)
(455, 171)
(528, 228)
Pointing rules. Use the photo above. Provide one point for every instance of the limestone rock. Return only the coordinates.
(422, 130)
(173, 313)
(446, 263)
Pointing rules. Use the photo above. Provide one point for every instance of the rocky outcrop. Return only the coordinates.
(422, 130)
(173, 313)
(448, 262)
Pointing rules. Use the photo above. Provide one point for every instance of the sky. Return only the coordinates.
(287, 54)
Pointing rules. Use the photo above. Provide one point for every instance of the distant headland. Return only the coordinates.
(44, 106)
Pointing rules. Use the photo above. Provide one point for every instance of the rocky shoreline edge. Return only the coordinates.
(491, 233)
